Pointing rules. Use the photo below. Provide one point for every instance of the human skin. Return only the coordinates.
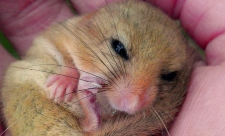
(203, 112)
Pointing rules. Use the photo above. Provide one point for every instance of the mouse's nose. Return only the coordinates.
(131, 103)
(128, 103)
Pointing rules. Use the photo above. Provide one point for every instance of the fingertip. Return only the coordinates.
(166, 6)
(85, 6)
(215, 51)
(204, 20)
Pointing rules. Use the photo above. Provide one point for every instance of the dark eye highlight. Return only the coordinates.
(169, 77)
(119, 48)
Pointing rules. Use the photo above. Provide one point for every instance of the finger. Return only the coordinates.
(204, 20)
(22, 21)
(85, 6)
(171, 7)
(215, 51)
(203, 111)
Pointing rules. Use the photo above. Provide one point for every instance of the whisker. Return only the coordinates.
(50, 73)
(114, 25)
(77, 91)
(8, 128)
(80, 91)
(88, 96)
(75, 69)
(108, 77)
(108, 48)
(161, 120)
(89, 49)
(92, 50)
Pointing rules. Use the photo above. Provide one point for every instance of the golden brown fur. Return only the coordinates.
(154, 43)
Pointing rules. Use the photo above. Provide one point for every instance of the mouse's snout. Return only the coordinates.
(128, 103)
(132, 98)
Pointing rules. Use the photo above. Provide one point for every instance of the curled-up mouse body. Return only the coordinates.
(121, 70)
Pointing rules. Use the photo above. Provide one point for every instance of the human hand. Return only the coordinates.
(202, 112)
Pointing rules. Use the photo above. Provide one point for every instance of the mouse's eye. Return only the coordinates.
(119, 48)
(169, 77)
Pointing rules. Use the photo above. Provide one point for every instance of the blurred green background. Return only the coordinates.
(8, 46)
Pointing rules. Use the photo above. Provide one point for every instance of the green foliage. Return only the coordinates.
(8, 46)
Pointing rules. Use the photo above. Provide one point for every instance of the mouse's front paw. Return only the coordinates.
(62, 86)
